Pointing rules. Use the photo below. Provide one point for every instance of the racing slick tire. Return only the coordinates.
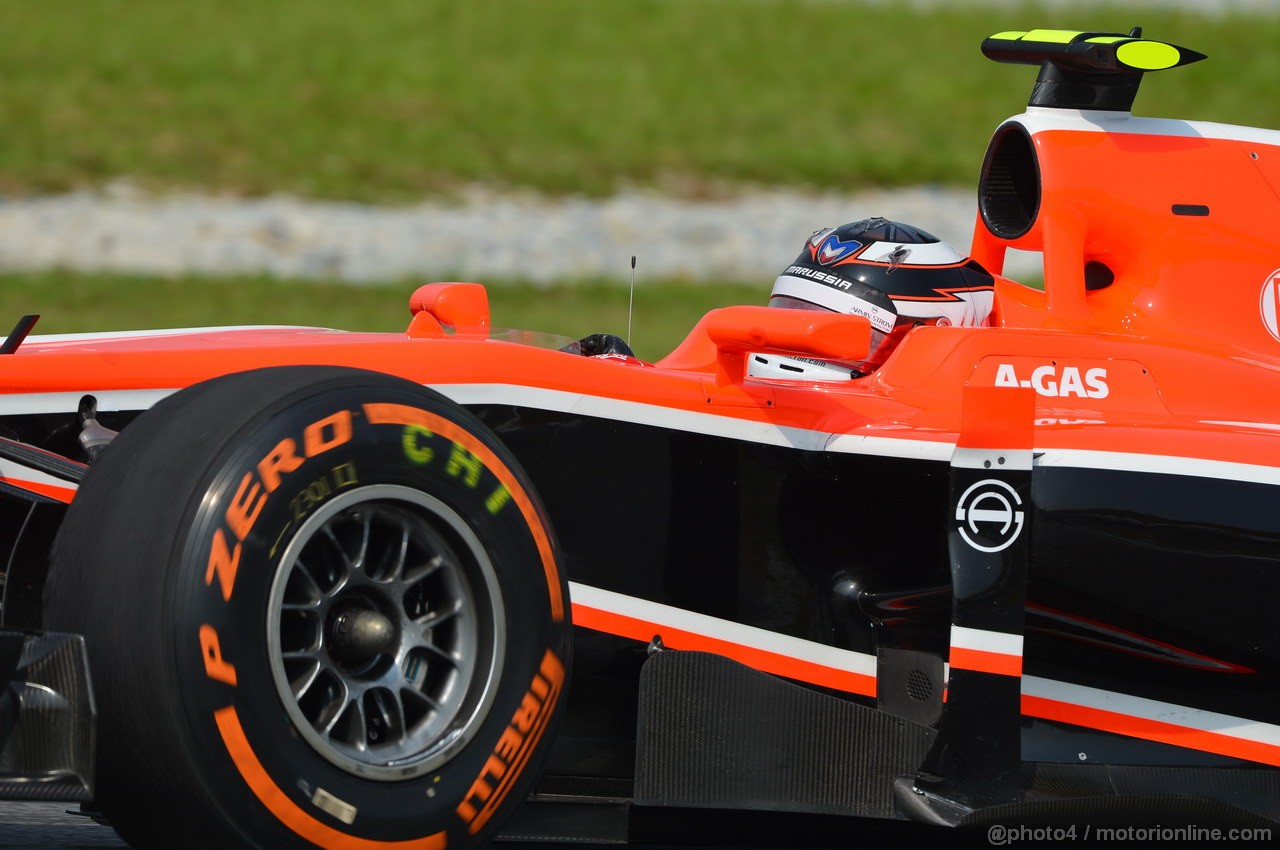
(323, 607)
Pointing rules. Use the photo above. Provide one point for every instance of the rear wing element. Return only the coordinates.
(1086, 70)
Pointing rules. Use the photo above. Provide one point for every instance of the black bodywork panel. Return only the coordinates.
(1149, 584)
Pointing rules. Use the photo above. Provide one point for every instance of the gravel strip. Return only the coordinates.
(480, 235)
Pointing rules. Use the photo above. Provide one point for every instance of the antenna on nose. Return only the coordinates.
(632, 303)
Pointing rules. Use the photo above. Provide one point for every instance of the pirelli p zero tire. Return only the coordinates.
(323, 608)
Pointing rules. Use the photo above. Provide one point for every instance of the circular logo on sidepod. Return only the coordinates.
(1269, 303)
(989, 515)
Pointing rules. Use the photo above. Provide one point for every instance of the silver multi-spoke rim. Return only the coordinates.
(385, 630)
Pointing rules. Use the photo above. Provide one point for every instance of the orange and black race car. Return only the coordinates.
(293, 587)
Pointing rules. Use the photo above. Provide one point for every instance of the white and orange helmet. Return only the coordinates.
(896, 275)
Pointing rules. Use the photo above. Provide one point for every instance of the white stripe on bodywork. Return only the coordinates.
(863, 444)
(711, 424)
(637, 412)
(984, 640)
(726, 630)
(1163, 464)
(20, 474)
(1040, 119)
(107, 336)
(1148, 709)
(978, 639)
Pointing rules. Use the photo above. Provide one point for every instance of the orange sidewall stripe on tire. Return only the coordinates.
(287, 811)
(552, 671)
(401, 414)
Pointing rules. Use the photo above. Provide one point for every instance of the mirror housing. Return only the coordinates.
(461, 306)
(738, 331)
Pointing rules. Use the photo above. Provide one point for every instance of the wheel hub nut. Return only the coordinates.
(363, 634)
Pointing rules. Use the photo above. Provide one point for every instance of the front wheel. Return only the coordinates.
(323, 608)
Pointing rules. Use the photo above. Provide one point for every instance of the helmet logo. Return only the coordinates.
(833, 249)
(1270, 304)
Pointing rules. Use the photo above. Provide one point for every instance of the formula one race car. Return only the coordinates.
(290, 587)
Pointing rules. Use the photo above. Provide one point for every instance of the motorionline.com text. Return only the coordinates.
(1000, 835)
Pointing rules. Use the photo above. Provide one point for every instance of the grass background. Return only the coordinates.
(335, 99)
(387, 103)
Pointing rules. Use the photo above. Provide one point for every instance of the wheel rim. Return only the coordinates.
(386, 630)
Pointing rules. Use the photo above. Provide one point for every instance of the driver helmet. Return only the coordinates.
(896, 275)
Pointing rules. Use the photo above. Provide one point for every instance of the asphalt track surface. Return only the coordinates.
(50, 826)
(55, 826)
